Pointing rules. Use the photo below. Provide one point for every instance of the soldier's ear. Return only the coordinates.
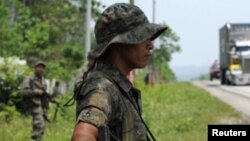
(113, 49)
(115, 45)
(119, 47)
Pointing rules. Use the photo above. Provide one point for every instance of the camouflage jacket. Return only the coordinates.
(103, 99)
(29, 95)
(79, 76)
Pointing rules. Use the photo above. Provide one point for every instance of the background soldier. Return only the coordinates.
(108, 106)
(35, 100)
(84, 69)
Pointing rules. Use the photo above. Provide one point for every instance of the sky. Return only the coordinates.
(197, 23)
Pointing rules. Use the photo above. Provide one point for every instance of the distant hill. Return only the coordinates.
(187, 73)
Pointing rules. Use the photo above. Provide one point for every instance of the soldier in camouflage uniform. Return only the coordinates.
(35, 102)
(84, 69)
(108, 106)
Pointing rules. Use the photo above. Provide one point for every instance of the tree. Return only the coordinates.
(12, 74)
(50, 30)
(162, 55)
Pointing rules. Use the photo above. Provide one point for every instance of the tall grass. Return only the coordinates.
(174, 112)
(19, 127)
(181, 112)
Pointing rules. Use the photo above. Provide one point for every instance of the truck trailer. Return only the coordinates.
(234, 54)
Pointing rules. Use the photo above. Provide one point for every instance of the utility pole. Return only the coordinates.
(152, 76)
(153, 17)
(87, 34)
(131, 1)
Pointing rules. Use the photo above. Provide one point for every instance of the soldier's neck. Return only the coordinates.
(38, 76)
(115, 58)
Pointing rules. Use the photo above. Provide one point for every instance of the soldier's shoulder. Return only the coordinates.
(82, 69)
(99, 79)
(96, 81)
(26, 81)
(96, 84)
(28, 78)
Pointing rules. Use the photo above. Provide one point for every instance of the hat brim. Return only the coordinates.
(40, 64)
(139, 34)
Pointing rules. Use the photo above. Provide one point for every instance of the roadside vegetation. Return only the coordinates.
(53, 31)
(181, 112)
(174, 111)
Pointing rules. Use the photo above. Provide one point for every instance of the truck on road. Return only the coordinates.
(234, 56)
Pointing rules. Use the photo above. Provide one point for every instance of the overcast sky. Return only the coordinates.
(197, 23)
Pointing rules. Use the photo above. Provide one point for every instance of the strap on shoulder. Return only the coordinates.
(138, 113)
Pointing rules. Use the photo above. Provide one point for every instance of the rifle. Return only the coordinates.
(46, 99)
(58, 106)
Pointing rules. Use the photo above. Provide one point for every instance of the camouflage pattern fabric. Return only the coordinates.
(101, 102)
(124, 23)
(79, 76)
(38, 127)
(35, 104)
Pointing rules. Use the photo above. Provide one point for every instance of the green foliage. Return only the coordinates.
(49, 30)
(174, 111)
(11, 76)
(59, 129)
(168, 44)
(8, 113)
(162, 55)
(9, 37)
(181, 112)
(165, 73)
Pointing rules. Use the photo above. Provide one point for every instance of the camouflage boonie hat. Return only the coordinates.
(124, 23)
(40, 63)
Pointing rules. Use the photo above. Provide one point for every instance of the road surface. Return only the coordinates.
(236, 96)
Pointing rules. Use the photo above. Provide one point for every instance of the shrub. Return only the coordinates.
(12, 74)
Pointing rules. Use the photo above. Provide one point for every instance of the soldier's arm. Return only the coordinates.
(84, 132)
(93, 110)
(27, 90)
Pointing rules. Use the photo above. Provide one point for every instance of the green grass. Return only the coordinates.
(19, 128)
(181, 112)
(174, 112)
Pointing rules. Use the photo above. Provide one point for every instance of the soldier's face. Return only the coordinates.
(39, 70)
(137, 56)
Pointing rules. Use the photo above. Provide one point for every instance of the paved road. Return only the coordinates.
(236, 96)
